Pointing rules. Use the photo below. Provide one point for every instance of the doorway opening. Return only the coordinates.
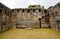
(40, 22)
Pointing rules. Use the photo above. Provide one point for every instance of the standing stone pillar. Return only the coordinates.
(31, 15)
(26, 15)
(42, 19)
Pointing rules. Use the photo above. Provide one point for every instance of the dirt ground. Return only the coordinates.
(42, 33)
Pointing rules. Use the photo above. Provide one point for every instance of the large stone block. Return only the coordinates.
(3, 28)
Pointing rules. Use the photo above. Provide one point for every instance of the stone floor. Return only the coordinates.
(43, 33)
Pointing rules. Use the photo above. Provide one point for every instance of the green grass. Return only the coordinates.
(43, 33)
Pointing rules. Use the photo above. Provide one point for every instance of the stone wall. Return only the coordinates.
(54, 13)
(30, 14)
(5, 14)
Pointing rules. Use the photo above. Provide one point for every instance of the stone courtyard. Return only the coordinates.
(34, 22)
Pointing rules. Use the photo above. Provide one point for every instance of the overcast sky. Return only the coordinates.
(26, 3)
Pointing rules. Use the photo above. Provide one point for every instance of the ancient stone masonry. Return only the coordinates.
(35, 16)
(54, 12)
(26, 17)
(5, 15)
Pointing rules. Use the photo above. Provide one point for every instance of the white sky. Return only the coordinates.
(26, 3)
